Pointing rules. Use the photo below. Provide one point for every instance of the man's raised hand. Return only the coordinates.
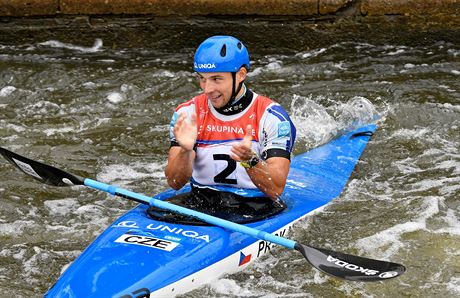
(186, 131)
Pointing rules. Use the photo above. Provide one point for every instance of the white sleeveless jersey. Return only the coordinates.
(213, 166)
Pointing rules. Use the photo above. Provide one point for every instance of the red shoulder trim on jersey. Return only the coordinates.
(197, 100)
(185, 104)
(262, 104)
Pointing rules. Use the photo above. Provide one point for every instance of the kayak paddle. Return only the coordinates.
(334, 263)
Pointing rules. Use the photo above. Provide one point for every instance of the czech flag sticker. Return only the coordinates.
(244, 258)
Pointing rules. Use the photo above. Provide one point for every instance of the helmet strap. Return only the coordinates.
(235, 92)
(230, 107)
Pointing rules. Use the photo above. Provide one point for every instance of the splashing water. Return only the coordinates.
(313, 123)
(317, 124)
(357, 112)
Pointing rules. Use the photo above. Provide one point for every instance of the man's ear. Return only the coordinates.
(241, 74)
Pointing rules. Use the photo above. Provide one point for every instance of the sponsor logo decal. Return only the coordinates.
(244, 258)
(282, 144)
(153, 242)
(388, 274)
(205, 65)
(350, 266)
(264, 132)
(179, 231)
(26, 168)
(128, 224)
(234, 108)
(172, 238)
(284, 129)
(220, 128)
(166, 229)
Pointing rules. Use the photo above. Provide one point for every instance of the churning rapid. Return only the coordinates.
(102, 111)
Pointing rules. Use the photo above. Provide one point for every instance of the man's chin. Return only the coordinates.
(217, 105)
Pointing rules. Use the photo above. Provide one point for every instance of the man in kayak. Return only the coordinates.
(229, 142)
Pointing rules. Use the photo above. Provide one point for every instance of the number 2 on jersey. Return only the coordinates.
(222, 177)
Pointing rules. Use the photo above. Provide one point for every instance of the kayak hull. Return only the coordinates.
(137, 256)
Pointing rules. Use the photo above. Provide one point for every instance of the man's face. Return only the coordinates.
(218, 86)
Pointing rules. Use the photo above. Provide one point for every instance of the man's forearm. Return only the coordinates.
(179, 168)
(269, 178)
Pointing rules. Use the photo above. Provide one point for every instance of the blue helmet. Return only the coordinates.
(221, 54)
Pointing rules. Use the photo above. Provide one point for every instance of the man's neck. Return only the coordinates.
(239, 104)
(239, 96)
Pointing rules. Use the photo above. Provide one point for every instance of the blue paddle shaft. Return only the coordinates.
(114, 190)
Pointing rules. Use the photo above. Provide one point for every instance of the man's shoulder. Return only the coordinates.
(267, 105)
(262, 103)
(264, 100)
(271, 111)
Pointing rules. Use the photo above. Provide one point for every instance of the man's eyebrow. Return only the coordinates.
(217, 76)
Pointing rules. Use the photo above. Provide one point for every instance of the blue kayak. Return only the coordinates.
(138, 256)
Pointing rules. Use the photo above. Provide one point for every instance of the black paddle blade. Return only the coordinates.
(349, 267)
(40, 171)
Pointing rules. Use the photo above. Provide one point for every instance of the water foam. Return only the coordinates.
(312, 53)
(61, 207)
(228, 286)
(115, 97)
(15, 228)
(272, 65)
(454, 285)
(386, 243)
(97, 46)
(317, 124)
(7, 91)
(123, 174)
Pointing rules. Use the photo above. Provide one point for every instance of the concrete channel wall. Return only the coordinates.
(423, 8)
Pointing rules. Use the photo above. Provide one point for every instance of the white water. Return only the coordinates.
(106, 117)
(97, 46)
